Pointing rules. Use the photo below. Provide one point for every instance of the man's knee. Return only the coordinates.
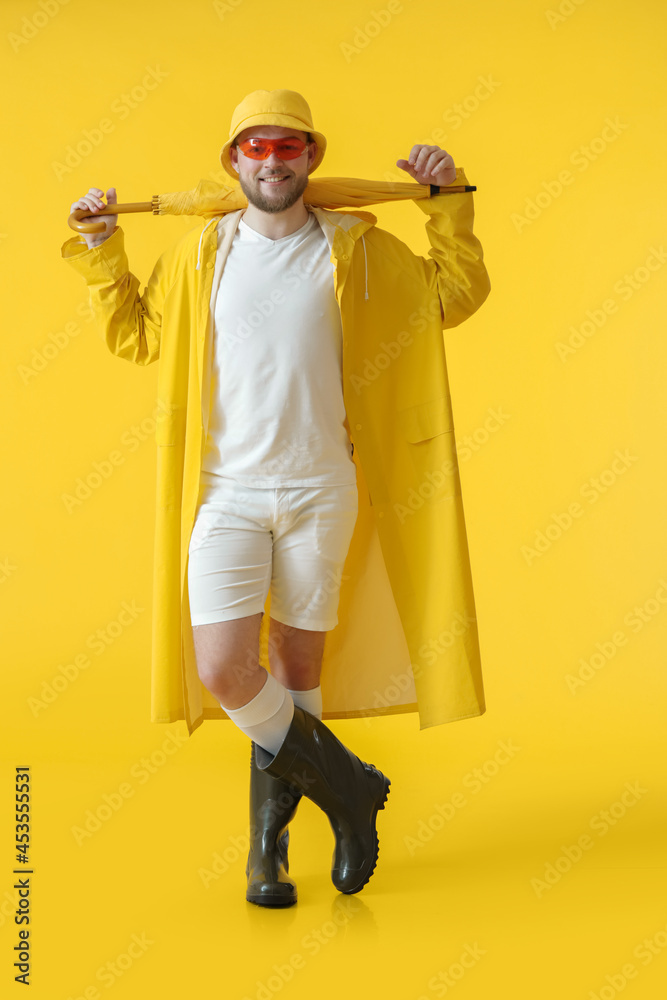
(295, 655)
(228, 675)
(227, 653)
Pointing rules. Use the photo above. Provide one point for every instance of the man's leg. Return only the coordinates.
(308, 755)
(295, 657)
(230, 568)
(227, 655)
(227, 662)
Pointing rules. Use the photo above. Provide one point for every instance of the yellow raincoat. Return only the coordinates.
(406, 639)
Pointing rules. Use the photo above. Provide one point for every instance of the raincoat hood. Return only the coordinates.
(322, 218)
(211, 199)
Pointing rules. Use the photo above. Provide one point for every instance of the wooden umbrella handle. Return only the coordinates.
(76, 222)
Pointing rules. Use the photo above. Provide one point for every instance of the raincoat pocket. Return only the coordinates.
(429, 433)
(426, 420)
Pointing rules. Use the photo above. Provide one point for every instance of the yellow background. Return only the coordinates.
(442, 885)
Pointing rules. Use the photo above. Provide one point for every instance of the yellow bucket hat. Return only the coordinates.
(272, 107)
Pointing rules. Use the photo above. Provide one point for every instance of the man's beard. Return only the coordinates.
(297, 185)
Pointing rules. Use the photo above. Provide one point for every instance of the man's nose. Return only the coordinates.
(273, 160)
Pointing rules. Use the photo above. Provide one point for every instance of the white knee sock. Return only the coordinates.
(310, 700)
(266, 717)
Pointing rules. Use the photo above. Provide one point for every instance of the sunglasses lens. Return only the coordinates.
(260, 149)
(290, 149)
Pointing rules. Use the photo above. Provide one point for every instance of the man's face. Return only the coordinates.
(272, 196)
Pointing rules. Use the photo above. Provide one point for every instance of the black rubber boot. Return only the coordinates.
(348, 790)
(273, 804)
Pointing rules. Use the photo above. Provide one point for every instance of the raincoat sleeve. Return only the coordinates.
(455, 263)
(129, 323)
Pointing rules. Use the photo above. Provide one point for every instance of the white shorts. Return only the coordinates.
(294, 539)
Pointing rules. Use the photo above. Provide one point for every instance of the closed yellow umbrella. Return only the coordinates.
(210, 198)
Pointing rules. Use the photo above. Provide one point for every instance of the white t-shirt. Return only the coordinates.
(276, 392)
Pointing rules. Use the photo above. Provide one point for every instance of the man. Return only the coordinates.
(277, 498)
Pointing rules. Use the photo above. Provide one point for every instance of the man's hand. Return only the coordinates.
(429, 165)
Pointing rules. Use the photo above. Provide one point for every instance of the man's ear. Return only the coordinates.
(232, 154)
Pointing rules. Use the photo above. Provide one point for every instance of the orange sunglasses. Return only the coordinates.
(285, 149)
